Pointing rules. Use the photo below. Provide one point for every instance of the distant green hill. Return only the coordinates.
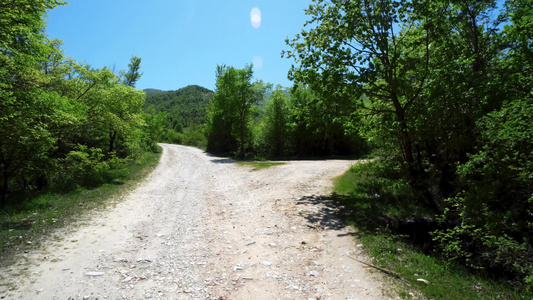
(153, 91)
(185, 107)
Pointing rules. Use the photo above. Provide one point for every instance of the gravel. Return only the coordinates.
(200, 227)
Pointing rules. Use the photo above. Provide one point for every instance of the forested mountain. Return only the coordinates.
(180, 113)
(185, 107)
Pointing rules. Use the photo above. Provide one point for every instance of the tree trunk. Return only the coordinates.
(112, 137)
(5, 182)
(241, 146)
(405, 139)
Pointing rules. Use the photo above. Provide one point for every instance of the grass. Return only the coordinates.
(447, 280)
(25, 224)
(259, 165)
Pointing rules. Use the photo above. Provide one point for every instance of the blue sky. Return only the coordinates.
(180, 42)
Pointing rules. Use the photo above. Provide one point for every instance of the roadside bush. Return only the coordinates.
(194, 136)
(172, 136)
(85, 167)
(376, 193)
(494, 211)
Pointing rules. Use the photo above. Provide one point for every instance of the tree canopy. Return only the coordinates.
(62, 122)
(442, 88)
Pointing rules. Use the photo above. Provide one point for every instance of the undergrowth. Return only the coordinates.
(370, 202)
(25, 222)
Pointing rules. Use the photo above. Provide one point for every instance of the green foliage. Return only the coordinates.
(230, 114)
(133, 74)
(444, 90)
(86, 167)
(184, 108)
(495, 208)
(371, 215)
(23, 221)
(59, 118)
(192, 136)
(155, 126)
(323, 124)
(273, 138)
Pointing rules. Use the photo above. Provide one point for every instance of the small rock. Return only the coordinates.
(312, 273)
(266, 263)
(86, 297)
(119, 259)
(250, 243)
(272, 245)
(127, 279)
(238, 268)
(94, 273)
(422, 280)
(148, 260)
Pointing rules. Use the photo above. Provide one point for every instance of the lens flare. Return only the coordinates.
(255, 17)
(258, 62)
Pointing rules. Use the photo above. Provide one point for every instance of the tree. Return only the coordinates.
(323, 124)
(380, 52)
(132, 75)
(369, 48)
(228, 128)
(25, 110)
(274, 130)
(448, 90)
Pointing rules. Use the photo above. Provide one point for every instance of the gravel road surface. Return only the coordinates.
(201, 227)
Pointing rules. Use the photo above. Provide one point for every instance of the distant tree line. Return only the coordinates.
(62, 123)
(252, 119)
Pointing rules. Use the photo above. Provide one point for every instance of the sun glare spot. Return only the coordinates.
(255, 17)
(258, 62)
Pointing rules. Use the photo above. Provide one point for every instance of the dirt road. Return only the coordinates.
(201, 227)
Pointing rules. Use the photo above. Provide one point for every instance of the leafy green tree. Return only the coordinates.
(274, 129)
(446, 89)
(133, 75)
(323, 124)
(228, 128)
(113, 110)
(495, 206)
(155, 124)
(421, 74)
(25, 111)
(360, 48)
(57, 116)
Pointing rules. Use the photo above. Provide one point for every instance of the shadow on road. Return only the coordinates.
(326, 213)
(223, 161)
